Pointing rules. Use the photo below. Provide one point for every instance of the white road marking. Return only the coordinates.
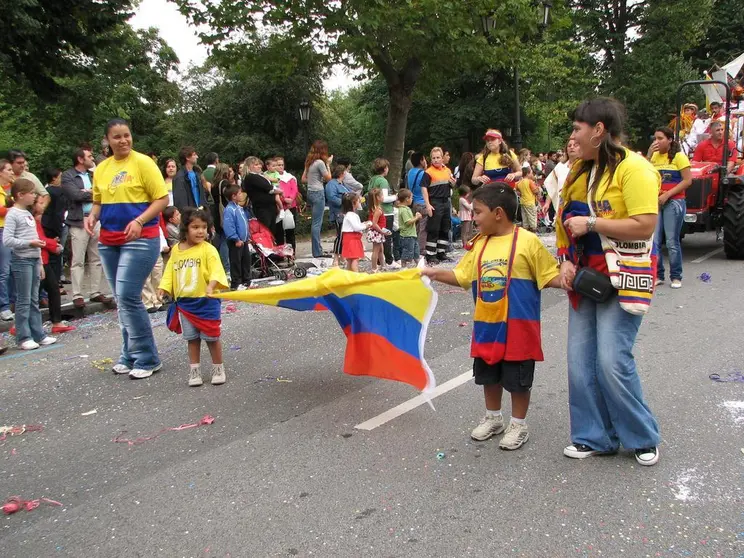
(701, 259)
(414, 402)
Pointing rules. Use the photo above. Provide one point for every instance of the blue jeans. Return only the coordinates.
(409, 248)
(669, 225)
(27, 314)
(7, 294)
(220, 242)
(604, 391)
(126, 268)
(316, 199)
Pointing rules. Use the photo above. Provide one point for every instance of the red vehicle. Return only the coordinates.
(715, 200)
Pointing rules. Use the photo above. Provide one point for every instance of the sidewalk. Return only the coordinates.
(69, 312)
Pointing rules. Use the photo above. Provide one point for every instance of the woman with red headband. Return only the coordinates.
(496, 163)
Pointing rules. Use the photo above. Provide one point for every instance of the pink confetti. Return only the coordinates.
(463, 324)
(6, 431)
(15, 504)
(231, 308)
(205, 420)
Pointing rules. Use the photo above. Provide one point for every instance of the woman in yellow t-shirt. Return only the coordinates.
(676, 177)
(496, 163)
(606, 402)
(128, 197)
(6, 179)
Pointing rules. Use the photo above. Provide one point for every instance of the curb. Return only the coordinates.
(69, 313)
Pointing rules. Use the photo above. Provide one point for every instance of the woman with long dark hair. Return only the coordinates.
(170, 169)
(676, 177)
(129, 195)
(609, 207)
(317, 173)
(496, 162)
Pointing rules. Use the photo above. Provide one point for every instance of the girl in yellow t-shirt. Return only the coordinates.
(606, 403)
(496, 163)
(676, 178)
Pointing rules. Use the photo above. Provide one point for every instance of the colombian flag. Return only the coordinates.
(384, 318)
(202, 312)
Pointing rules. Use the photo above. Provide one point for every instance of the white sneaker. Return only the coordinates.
(48, 341)
(242, 287)
(659, 282)
(140, 374)
(676, 284)
(29, 345)
(195, 377)
(489, 426)
(515, 437)
(121, 369)
(394, 265)
(647, 456)
(218, 374)
(6, 315)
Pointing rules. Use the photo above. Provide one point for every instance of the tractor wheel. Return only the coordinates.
(733, 225)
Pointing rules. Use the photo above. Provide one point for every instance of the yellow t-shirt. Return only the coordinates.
(3, 197)
(526, 196)
(493, 161)
(125, 189)
(532, 262)
(670, 171)
(532, 269)
(189, 271)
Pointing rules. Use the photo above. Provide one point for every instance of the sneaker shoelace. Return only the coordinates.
(195, 374)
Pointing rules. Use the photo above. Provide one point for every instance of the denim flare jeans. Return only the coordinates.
(126, 268)
(604, 391)
(669, 226)
(316, 199)
(27, 314)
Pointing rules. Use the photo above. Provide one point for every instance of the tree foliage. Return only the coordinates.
(48, 39)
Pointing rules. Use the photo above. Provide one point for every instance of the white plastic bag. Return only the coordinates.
(280, 216)
(288, 220)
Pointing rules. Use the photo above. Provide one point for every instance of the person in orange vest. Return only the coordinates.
(436, 187)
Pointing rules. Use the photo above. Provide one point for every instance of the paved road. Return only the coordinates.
(283, 472)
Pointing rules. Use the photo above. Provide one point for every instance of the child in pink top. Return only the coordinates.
(290, 196)
(465, 214)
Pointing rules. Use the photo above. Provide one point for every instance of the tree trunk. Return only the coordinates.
(395, 130)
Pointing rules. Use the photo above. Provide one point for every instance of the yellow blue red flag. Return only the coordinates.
(384, 317)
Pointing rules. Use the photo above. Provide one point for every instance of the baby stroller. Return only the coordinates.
(270, 259)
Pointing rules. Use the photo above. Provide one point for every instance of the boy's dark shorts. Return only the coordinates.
(514, 376)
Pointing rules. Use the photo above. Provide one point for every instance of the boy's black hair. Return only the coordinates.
(190, 214)
(498, 194)
(169, 212)
(416, 159)
(230, 191)
(51, 173)
(348, 201)
(404, 194)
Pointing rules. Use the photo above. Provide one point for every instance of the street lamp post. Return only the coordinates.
(488, 24)
(305, 119)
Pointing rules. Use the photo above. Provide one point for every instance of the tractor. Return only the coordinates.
(715, 200)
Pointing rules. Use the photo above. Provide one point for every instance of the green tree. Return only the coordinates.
(401, 40)
(129, 78)
(724, 35)
(48, 39)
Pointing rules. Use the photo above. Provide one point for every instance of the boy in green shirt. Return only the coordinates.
(409, 246)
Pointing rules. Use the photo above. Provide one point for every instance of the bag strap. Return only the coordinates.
(508, 265)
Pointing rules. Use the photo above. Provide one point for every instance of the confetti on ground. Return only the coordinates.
(231, 308)
(15, 504)
(440, 455)
(464, 313)
(205, 420)
(705, 277)
(93, 412)
(5, 431)
(437, 322)
(101, 364)
(235, 348)
(284, 380)
(733, 377)
(463, 324)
